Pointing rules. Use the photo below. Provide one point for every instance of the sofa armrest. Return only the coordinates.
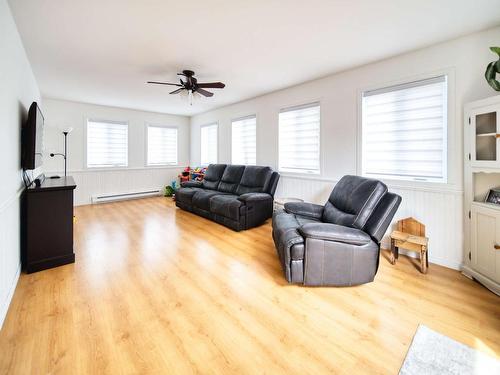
(192, 184)
(255, 197)
(312, 210)
(259, 208)
(335, 233)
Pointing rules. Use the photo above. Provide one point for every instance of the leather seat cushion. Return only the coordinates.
(201, 198)
(185, 195)
(228, 206)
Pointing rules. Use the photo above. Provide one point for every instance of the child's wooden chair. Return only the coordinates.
(410, 235)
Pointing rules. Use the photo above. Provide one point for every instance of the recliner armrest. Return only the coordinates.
(255, 197)
(334, 232)
(312, 210)
(192, 184)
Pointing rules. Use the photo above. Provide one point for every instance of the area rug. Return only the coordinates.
(432, 353)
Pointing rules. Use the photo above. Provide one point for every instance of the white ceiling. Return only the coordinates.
(103, 51)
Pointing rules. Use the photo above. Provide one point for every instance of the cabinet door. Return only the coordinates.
(485, 236)
(485, 130)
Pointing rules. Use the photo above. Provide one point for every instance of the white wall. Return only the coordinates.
(60, 114)
(17, 91)
(438, 206)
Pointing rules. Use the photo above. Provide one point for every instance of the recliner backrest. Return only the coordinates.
(231, 178)
(353, 200)
(381, 218)
(273, 183)
(213, 176)
(254, 179)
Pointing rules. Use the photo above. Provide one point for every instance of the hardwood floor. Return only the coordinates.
(156, 290)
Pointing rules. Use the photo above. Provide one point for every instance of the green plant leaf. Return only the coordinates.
(495, 50)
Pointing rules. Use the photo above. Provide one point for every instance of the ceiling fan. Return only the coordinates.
(191, 85)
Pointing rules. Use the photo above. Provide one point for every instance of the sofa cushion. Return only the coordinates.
(201, 198)
(185, 194)
(228, 206)
(255, 179)
(213, 175)
(231, 178)
(353, 200)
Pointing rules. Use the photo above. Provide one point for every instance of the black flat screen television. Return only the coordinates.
(32, 139)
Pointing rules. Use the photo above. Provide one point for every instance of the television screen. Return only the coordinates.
(32, 139)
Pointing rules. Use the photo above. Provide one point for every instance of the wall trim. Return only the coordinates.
(447, 189)
(98, 170)
(4, 308)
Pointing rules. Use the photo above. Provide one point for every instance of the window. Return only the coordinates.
(244, 140)
(107, 144)
(299, 139)
(209, 144)
(404, 131)
(162, 145)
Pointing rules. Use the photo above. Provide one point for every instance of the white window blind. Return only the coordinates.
(209, 144)
(162, 145)
(404, 131)
(107, 144)
(299, 139)
(244, 140)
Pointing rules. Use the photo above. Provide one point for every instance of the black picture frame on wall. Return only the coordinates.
(493, 196)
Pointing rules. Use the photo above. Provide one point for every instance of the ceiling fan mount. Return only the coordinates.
(191, 85)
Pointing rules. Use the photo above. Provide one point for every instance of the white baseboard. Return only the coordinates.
(487, 282)
(4, 308)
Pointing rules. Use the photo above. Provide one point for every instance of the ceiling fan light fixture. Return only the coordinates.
(190, 88)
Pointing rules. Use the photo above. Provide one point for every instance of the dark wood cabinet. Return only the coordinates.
(47, 225)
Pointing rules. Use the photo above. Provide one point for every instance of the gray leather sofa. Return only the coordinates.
(338, 243)
(237, 196)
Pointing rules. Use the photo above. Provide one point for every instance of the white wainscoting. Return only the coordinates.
(10, 255)
(440, 210)
(116, 181)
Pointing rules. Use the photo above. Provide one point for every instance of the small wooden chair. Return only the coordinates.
(410, 235)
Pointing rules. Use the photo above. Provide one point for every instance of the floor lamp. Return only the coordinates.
(65, 132)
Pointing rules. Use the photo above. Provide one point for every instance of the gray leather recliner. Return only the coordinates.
(338, 243)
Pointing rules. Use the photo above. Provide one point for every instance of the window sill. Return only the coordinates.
(161, 166)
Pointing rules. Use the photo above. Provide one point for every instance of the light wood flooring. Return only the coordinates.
(157, 290)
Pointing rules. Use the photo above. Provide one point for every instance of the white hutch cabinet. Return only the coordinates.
(482, 173)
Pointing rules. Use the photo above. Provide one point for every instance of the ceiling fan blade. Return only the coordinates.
(204, 92)
(165, 83)
(212, 85)
(177, 91)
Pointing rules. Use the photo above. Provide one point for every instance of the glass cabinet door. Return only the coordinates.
(485, 135)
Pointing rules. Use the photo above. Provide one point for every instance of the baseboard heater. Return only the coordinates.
(124, 196)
